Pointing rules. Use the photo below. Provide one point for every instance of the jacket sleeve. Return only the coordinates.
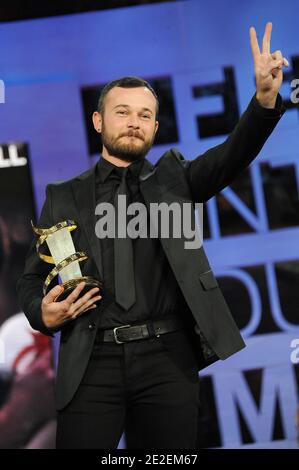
(212, 171)
(30, 285)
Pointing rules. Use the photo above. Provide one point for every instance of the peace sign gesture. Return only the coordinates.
(267, 68)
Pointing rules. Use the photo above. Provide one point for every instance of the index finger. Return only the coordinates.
(266, 38)
(254, 43)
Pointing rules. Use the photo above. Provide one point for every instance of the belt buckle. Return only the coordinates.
(115, 333)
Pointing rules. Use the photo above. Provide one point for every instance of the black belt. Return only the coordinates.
(124, 333)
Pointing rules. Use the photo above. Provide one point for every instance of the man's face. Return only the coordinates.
(128, 123)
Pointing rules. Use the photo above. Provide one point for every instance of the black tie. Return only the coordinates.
(124, 279)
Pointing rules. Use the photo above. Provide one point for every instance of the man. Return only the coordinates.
(132, 351)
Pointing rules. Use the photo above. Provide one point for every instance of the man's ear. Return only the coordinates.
(97, 121)
(156, 126)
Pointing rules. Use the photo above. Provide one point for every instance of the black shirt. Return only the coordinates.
(157, 291)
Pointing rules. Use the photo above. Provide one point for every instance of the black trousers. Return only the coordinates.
(150, 387)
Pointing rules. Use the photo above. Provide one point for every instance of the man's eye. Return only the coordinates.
(121, 112)
(146, 116)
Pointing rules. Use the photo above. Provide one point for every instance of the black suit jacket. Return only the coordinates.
(172, 179)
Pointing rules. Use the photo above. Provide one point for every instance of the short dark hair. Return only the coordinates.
(125, 82)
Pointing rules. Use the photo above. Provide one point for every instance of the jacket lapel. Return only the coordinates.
(149, 186)
(84, 195)
(152, 193)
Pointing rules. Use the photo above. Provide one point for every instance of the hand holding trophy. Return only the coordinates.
(76, 294)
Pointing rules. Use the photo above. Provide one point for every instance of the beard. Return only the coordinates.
(130, 146)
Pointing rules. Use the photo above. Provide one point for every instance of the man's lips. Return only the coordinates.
(135, 136)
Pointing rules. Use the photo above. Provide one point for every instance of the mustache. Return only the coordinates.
(133, 134)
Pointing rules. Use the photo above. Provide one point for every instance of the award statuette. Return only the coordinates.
(65, 258)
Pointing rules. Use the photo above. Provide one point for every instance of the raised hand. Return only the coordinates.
(267, 68)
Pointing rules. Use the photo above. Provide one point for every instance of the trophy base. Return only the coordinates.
(69, 286)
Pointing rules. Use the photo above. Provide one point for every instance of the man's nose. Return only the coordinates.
(133, 122)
